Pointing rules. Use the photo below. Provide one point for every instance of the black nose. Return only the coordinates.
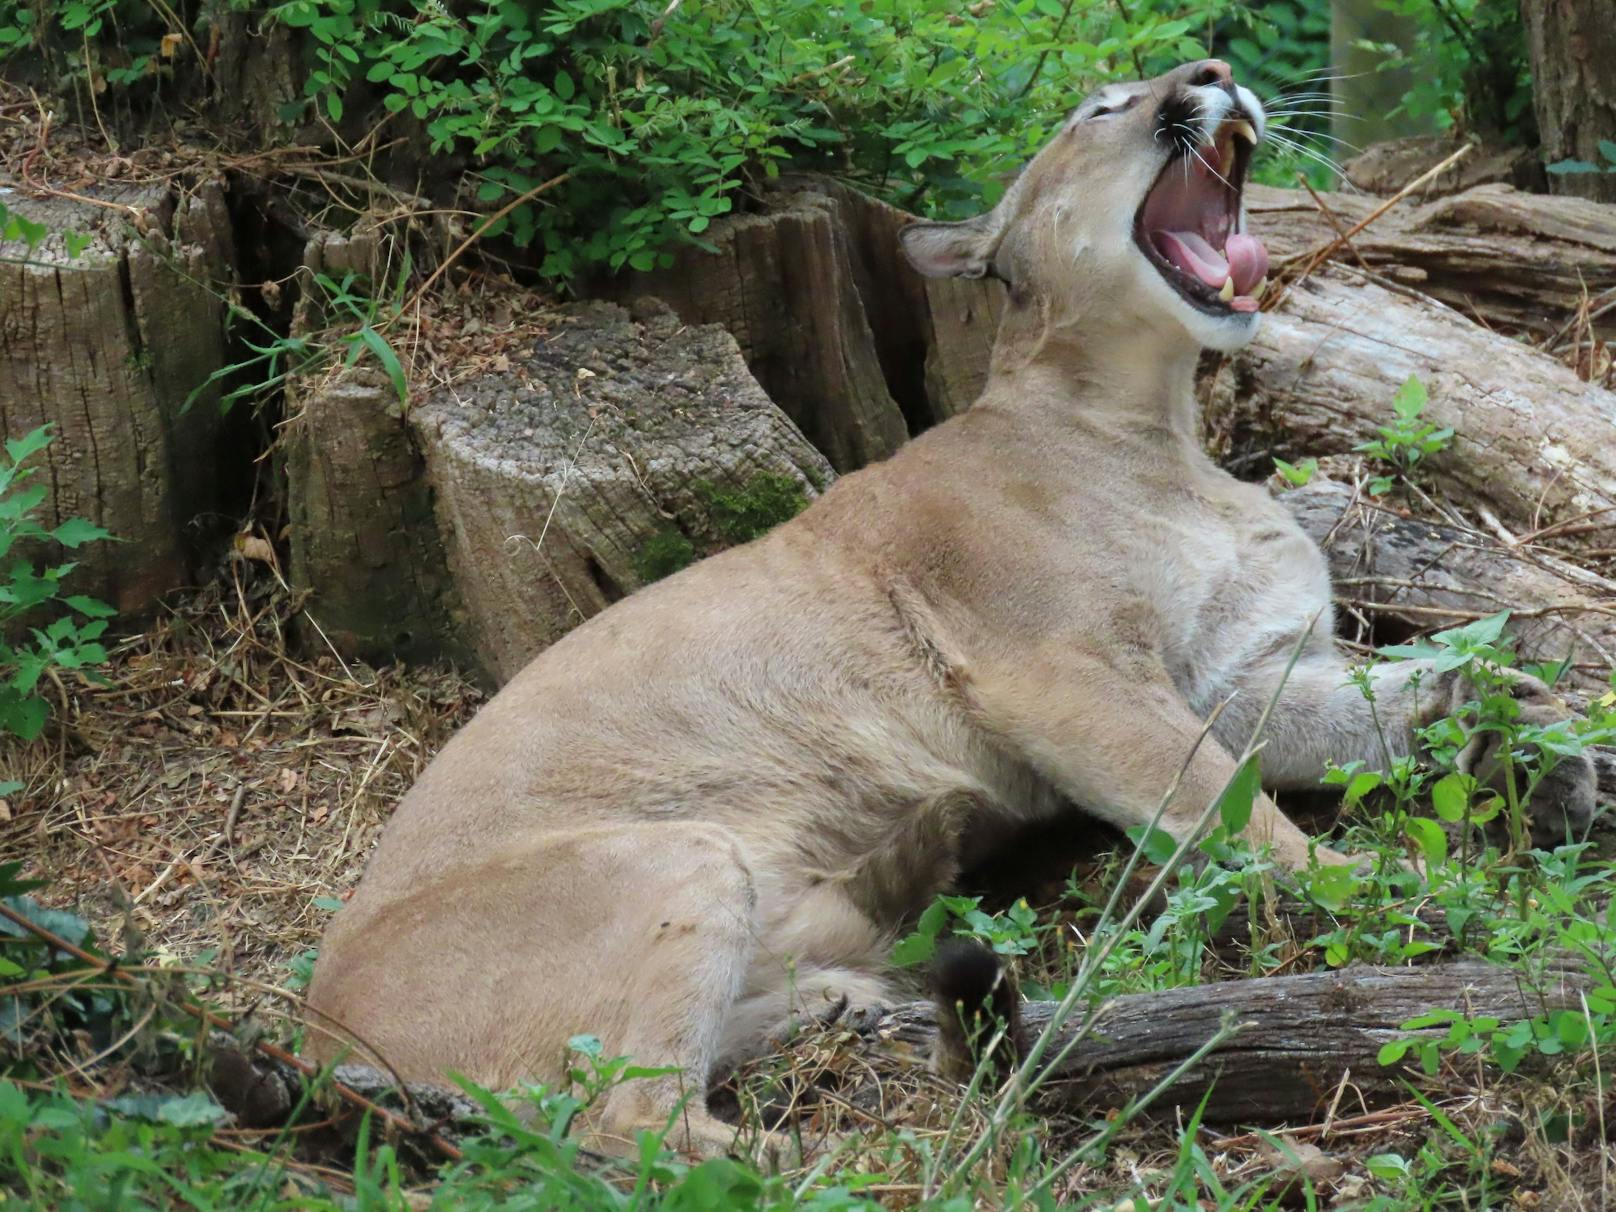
(1212, 71)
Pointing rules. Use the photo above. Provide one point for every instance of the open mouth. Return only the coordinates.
(1188, 225)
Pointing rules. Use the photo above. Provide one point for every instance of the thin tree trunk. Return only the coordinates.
(1572, 44)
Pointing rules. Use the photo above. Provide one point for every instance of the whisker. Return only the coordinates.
(1307, 153)
(1299, 146)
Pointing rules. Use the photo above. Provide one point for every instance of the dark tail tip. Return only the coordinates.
(975, 994)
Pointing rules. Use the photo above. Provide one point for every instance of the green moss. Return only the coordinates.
(663, 554)
(742, 514)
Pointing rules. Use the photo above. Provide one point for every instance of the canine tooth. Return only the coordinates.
(1227, 292)
(1246, 131)
(1257, 290)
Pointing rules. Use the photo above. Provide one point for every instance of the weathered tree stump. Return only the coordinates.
(364, 540)
(105, 347)
(504, 512)
(1533, 442)
(933, 335)
(623, 448)
(782, 283)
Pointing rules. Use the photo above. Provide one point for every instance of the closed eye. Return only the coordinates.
(1109, 108)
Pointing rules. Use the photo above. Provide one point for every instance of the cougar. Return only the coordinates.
(713, 806)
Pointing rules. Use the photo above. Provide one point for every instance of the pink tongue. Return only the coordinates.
(1248, 262)
(1244, 258)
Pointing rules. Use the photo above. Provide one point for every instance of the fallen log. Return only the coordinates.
(1425, 574)
(1512, 260)
(1298, 1046)
(1299, 1042)
(1533, 442)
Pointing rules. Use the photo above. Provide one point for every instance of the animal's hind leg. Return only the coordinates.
(638, 934)
(685, 932)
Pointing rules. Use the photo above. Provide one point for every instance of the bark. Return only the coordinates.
(782, 284)
(1532, 442)
(1512, 260)
(105, 347)
(1572, 45)
(933, 336)
(600, 462)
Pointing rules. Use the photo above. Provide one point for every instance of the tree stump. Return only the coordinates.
(623, 448)
(105, 347)
(500, 514)
(782, 283)
(933, 335)
(364, 539)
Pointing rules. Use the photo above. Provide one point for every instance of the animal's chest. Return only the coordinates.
(1231, 579)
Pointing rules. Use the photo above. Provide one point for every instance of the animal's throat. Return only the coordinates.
(1188, 226)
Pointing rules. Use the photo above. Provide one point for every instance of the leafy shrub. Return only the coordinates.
(67, 642)
(656, 118)
(1471, 66)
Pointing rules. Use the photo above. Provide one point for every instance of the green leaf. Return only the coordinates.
(75, 532)
(377, 344)
(1450, 797)
(333, 106)
(35, 440)
(1157, 845)
(1410, 399)
(1238, 799)
(1563, 168)
(1299, 473)
(1428, 836)
(89, 607)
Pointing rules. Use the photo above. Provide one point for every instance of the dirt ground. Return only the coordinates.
(214, 796)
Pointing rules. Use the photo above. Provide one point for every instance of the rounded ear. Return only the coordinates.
(952, 250)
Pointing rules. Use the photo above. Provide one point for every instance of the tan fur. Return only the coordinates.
(714, 805)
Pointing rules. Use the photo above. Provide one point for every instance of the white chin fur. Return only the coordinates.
(1222, 333)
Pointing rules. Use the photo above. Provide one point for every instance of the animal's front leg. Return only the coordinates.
(1120, 745)
(1322, 716)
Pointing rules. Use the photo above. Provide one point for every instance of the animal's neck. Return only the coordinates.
(1136, 379)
